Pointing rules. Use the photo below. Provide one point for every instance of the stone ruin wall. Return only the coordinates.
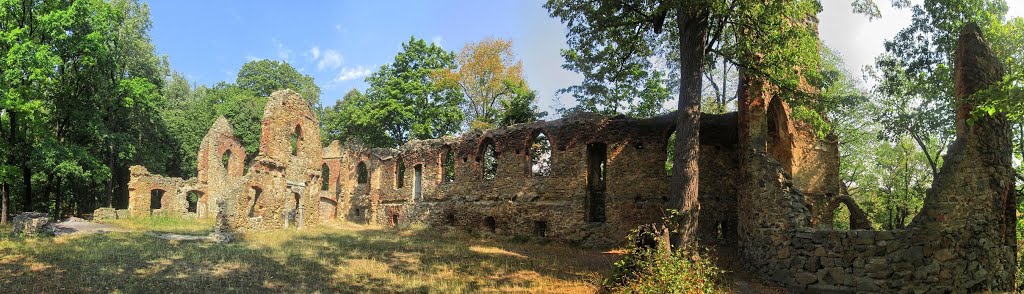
(287, 181)
(553, 207)
(961, 241)
(757, 163)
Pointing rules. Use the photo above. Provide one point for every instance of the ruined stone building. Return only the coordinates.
(768, 185)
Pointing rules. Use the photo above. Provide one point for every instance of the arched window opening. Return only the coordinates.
(193, 200)
(670, 149)
(841, 217)
(400, 174)
(156, 197)
(596, 170)
(489, 159)
(448, 166)
(225, 160)
(255, 193)
(417, 183)
(295, 138)
(540, 156)
(361, 173)
(325, 177)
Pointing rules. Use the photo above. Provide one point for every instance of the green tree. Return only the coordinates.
(520, 107)
(81, 83)
(490, 76)
(916, 72)
(407, 102)
(613, 42)
(263, 77)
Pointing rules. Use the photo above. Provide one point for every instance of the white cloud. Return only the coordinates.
(314, 52)
(331, 60)
(348, 73)
(437, 40)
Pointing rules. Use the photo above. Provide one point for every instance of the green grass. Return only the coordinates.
(328, 258)
(165, 224)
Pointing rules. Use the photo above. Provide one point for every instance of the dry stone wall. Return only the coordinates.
(768, 185)
(572, 203)
(962, 241)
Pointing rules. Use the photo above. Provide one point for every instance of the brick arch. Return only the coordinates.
(858, 218)
(779, 137)
(236, 163)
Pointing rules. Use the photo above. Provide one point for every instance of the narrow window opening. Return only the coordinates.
(255, 192)
(596, 161)
(225, 160)
(540, 228)
(417, 184)
(491, 223)
(670, 147)
(325, 177)
(448, 166)
(361, 173)
(394, 219)
(489, 159)
(400, 174)
(540, 156)
(295, 138)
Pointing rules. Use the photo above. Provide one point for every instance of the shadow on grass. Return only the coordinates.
(318, 260)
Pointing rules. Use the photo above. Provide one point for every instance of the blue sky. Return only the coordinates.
(340, 42)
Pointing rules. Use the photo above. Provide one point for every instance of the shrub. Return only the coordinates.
(644, 270)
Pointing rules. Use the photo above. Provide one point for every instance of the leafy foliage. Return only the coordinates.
(263, 77)
(645, 270)
(491, 78)
(404, 101)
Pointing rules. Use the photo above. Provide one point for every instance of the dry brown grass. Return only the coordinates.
(328, 258)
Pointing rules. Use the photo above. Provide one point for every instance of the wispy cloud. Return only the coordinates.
(331, 60)
(437, 40)
(282, 52)
(348, 73)
(314, 52)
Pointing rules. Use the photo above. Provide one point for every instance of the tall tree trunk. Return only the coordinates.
(693, 30)
(113, 176)
(3, 203)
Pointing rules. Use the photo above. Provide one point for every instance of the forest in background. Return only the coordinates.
(85, 96)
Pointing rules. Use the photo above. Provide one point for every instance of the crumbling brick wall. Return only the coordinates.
(144, 188)
(553, 206)
(962, 240)
(282, 188)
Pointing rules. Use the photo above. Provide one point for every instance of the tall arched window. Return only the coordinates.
(295, 138)
(540, 155)
(488, 159)
(448, 166)
(225, 160)
(399, 174)
(362, 175)
(325, 177)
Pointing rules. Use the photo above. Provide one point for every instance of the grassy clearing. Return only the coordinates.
(165, 224)
(329, 258)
